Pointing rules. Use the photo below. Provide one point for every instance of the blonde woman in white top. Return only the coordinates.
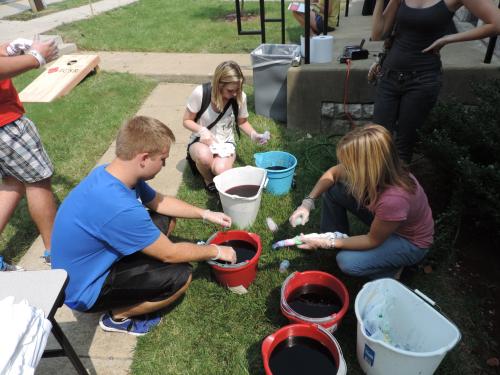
(212, 149)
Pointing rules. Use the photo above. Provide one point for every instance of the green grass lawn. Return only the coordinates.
(76, 130)
(51, 8)
(176, 26)
(213, 331)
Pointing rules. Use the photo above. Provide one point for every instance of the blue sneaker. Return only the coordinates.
(4, 266)
(137, 326)
(46, 257)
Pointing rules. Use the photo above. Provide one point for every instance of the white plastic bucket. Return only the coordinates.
(413, 337)
(242, 210)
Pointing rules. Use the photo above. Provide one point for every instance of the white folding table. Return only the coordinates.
(45, 290)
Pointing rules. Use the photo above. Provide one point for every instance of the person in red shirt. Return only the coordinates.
(25, 168)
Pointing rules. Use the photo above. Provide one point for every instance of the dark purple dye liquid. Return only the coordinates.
(245, 191)
(244, 250)
(276, 168)
(314, 301)
(301, 355)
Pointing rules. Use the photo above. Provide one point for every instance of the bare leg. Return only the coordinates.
(11, 192)
(203, 158)
(220, 165)
(148, 307)
(42, 208)
(300, 17)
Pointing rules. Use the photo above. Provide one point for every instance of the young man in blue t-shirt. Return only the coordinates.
(117, 260)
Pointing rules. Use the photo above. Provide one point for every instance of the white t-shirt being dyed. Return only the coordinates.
(223, 130)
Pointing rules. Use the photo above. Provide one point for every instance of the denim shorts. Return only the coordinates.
(22, 154)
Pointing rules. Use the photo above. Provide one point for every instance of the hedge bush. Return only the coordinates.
(463, 144)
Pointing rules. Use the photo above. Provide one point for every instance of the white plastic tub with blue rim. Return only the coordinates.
(415, 336)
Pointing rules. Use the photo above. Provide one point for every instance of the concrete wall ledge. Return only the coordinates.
(309, 86)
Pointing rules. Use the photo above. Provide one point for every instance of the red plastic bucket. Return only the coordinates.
(314, 332)
(234, 275)
(300, 279)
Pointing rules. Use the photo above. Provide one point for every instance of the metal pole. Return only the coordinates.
(326, 14)
(491, 46)
(262, 21)
(307, 30)
(282, 21)
(238, 16)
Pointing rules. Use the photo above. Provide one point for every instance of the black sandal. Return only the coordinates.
(210, 187)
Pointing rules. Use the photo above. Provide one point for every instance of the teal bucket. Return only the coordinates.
(280, 167)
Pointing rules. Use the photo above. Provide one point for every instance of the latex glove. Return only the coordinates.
(320, 241)
(226, 253)
(206, 136)
(44, 52)
(313, 243)
(18, 45)
(218, 218)
(259, 138)
(301, 215)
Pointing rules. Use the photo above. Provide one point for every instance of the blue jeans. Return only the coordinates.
(382, 261)
(403, 102)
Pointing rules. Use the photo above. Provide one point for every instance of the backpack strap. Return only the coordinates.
(234, 105)
(205, 100)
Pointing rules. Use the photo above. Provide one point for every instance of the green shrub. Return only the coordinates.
(463, 144)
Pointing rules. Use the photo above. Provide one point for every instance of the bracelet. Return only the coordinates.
(332, 243)
(218, 252)
(38, 56)
(204, 215)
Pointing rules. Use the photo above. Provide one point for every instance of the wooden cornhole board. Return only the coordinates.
(60, 78)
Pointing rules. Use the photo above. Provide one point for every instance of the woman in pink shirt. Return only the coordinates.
(371, 182)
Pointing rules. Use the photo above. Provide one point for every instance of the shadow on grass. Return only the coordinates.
(254, 358)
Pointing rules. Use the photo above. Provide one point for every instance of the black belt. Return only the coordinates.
(401, 76)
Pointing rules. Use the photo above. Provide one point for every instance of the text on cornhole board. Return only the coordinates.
(60, 78)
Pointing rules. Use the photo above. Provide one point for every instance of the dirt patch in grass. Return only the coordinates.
(231, 17)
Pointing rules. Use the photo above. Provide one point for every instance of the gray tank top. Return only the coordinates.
(416, 29)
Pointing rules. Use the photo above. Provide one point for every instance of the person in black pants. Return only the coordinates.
(411, 75)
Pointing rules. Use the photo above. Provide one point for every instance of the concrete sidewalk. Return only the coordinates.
(11, 30)
(172, 67)
(9, 8)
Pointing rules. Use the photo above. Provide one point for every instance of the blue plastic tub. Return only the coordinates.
(280, 167)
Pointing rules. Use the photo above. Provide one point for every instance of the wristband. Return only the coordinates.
(218, 252)
(38, 56)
